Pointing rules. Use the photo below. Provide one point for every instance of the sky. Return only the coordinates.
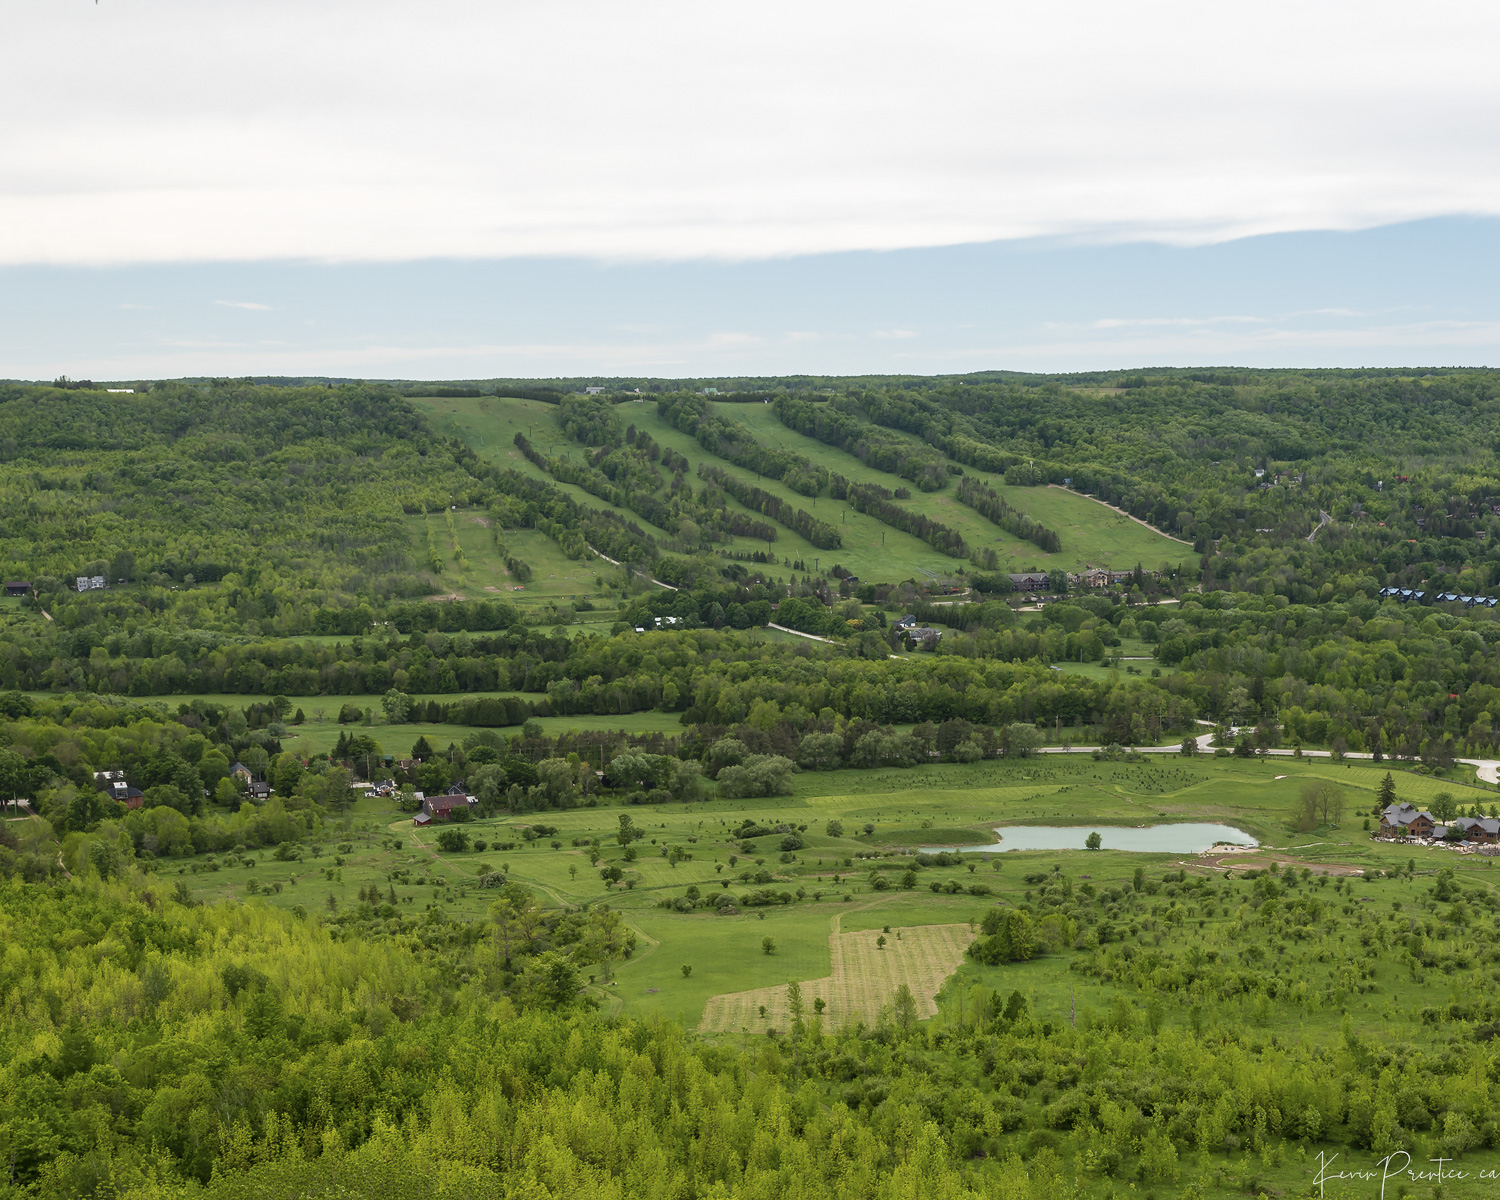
(478, 188)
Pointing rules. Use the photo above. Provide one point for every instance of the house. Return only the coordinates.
(442, 808)
(1029, 581)
(923, 635)
(1478, 829)
(240, 771)
(1407, 820)
(905, 622)
(113, 785)
(593, 391)
(18, 587)
(1095, 577)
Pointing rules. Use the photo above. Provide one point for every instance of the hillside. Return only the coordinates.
(477, 795)
(871, 549)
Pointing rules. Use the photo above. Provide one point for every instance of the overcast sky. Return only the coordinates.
(187, 150)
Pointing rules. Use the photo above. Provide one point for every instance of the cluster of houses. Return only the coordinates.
(922, 634)
(1408, 821)
(1407, 595)
(661, 623)
(114, 785)
(1090, 577)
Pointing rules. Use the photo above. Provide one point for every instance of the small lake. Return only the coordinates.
(1154, 839)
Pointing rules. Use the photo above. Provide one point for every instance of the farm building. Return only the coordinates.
(18, 587)
(442, 808)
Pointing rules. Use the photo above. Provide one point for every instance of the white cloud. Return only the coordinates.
(252, 305)
(385, 130)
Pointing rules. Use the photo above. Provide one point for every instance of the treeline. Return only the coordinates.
(532, 504)
(988, 503)
(821, 534)
(589, 420)
(929, 420)
(734, 443)
(875, 500)
(837, 423)
(712, 522)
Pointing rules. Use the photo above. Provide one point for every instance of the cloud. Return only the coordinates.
(1128, 322)
(252, 305)
(829, 126)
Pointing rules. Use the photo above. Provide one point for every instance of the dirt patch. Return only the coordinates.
(446, 597)
(482, 522)
(864, 979)
(490, 587)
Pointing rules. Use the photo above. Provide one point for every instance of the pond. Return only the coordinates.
(1153, 839)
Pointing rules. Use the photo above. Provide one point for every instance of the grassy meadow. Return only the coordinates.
(831, 877)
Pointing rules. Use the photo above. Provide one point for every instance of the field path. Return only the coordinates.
(812, 636)
(864, 978)
(1123, 513)
(641, 574)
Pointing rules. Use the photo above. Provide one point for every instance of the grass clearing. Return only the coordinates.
(943, 804)
(868, 966)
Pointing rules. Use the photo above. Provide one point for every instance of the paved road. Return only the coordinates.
(1488, 769)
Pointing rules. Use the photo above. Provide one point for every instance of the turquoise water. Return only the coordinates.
(1154, 839)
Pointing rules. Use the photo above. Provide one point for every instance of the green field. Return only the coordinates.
(556, 579)
(1092, 534)
(929, 806)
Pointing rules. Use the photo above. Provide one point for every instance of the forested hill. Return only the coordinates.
(301, 489)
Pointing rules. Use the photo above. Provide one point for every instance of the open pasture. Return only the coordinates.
(867, 968)
(848, 875)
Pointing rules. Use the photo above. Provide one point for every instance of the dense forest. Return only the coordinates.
(680, 595)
